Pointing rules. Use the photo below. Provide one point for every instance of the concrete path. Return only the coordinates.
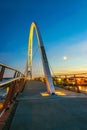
(65, 111)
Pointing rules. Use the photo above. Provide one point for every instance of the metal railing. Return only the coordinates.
(9, 89)
(75, 82)
(12, 88)
(17, 73)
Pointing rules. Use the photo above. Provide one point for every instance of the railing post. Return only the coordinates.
(15, 74)
(18, 74)
(65, 80)
(9, 96)
(2, 73)
(78, 91)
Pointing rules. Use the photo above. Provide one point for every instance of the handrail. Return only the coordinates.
(71, 74)
(70, 81)
(77, 82)
(13, 87)
(8, 82)
(17, 73)
(11, 68)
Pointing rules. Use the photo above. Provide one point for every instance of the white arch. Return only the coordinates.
(49, 82)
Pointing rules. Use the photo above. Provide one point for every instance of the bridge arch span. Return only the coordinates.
(49, 82)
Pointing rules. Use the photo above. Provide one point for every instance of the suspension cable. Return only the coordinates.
(35, 53)
(52, 71)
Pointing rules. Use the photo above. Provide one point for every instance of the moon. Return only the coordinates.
(65, 58)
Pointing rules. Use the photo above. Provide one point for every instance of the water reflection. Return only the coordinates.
(3, 93)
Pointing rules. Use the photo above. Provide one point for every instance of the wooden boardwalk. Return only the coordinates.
(64, 111)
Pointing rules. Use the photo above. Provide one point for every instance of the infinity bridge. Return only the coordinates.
(49, 103)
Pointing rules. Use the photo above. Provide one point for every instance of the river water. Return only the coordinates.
(3, 92)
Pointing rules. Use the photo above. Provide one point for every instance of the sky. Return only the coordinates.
(63, 27)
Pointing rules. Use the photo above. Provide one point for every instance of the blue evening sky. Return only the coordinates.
(63, 26)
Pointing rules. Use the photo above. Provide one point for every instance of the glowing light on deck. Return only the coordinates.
(45, 94)
(60, 93)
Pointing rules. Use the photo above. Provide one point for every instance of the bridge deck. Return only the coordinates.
(35, 112)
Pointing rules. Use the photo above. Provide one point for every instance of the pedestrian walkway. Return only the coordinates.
(38, 111)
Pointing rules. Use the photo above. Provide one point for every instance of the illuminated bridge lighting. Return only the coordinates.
(60, 93)
(45, 94)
